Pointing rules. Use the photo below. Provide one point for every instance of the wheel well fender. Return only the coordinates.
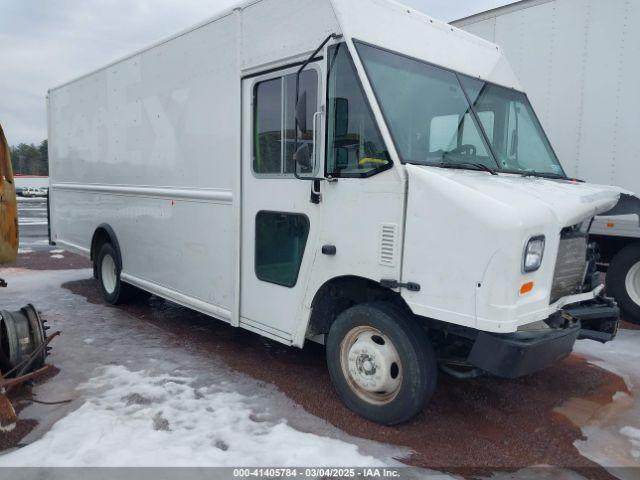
(609, 247)
(105, 234)
(340, 293)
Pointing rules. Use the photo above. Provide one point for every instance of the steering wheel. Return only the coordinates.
(467, 150)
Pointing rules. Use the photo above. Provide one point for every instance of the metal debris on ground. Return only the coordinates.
(24, 347)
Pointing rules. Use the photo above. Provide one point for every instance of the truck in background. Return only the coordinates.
(578, 61)
(294, 169)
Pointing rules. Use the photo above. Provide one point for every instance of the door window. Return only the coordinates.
(355, 147)
(280, 242)
(274, 122)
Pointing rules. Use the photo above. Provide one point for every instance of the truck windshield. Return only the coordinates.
(442, 118)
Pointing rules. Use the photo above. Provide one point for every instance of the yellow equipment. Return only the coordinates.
(8, 206)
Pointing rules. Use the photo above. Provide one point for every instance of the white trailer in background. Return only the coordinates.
(345, 171)
(579, 61)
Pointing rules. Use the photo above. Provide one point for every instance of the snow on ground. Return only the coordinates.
(165, 421)
(29, 221)
(30, 245)
(31, 199)
(141, 398)
(613, 438)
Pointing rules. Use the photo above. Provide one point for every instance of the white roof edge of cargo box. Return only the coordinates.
(247, 3)
(220, 15)
(432, 20)
(498, 11)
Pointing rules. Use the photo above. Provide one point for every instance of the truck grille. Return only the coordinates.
(571, 265)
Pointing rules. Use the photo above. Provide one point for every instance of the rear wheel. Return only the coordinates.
(381, 363)
(108, 269)
(623, 282)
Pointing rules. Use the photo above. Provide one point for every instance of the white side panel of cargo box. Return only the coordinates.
(150, 145)
(577, 60)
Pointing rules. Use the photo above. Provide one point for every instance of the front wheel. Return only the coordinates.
(381, 363)
(623, 281)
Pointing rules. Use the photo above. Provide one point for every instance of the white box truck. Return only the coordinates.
(578, 61)
(350, 172)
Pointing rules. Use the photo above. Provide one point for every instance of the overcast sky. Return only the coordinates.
(44, 43)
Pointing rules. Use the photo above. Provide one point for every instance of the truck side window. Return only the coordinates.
(268, 127)
(355, 147)
(274, 122)
(308, 84)
(280, 242)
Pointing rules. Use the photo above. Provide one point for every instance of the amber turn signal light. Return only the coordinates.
(527, 288)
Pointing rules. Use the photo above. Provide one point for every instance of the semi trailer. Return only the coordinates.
(578, 60)
(294, 169)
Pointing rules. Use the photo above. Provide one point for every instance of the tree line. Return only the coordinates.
(30, 159)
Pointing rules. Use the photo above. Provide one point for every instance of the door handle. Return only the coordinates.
(330, 250)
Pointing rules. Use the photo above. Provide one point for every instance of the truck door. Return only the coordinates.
(279, 223)
(8, 206)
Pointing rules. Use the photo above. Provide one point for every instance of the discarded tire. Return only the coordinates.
(22, 334)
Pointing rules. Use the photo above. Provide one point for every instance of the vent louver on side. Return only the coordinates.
(388, 239)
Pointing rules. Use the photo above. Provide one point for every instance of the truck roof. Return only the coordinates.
(406, 30)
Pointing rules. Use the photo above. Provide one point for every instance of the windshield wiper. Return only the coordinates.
(465, 166)
(551, 176)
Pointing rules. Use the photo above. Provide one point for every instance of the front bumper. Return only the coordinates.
(523, 353)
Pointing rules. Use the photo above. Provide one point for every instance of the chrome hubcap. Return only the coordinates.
(108, 274)
(632, 283)
(371, 365)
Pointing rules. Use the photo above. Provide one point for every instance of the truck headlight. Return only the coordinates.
(533, 254)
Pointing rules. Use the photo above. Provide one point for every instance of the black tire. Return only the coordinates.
(418, 366)
(621, 265)
(114, 290)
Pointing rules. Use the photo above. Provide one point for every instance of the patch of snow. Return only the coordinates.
(634, 436)
(25, 250)
(613, 439)
(57, 251)
(57, 257)
(632, 433)
(173, 423)
(89, 341)
(32, 221)
(31, 200)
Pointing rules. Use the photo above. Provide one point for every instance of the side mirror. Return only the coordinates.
(301, 112)
(303, 158)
